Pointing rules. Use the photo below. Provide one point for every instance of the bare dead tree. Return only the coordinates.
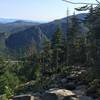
(98, 3)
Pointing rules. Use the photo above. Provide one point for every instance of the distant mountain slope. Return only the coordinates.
(25, 38)
(11, 26)
(35, 34)
(7, 20)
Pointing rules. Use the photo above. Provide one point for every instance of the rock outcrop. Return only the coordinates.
(55, 94)
(59, 94)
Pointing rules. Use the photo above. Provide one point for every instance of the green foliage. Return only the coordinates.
(46, 56)
(94, 40)
(8, 80)
(8, 92)
(75, 43)
(36, 71)
(94, 88)
(3, 67)
(57, 49)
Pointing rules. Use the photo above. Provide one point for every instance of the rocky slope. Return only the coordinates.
(62, 87)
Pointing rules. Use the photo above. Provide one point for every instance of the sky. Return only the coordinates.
(36, 10)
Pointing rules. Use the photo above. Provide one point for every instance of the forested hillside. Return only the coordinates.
(35, 35)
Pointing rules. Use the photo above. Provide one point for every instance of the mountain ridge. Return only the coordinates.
(35, 34)
(11, 20)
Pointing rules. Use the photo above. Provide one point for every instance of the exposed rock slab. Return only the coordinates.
(59, 94)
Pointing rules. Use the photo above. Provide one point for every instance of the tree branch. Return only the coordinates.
(98, 1)
(81, 2)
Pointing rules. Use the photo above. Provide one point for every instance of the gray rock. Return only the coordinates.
(64, 80)
(70, 98)
(70, 86)
(85, 98)
(49, 96)
(58, 94)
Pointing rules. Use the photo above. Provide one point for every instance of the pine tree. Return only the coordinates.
(94, 39)
(66, 57)
(71, 38)
(46, 56)
(57, 49)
